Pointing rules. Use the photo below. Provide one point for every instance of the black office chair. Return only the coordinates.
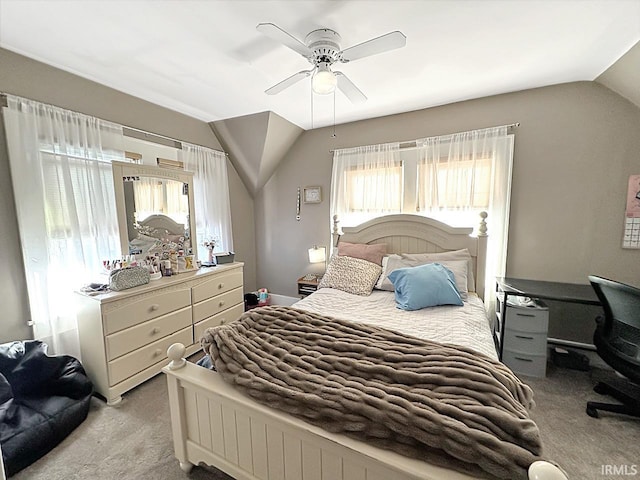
(617, 339)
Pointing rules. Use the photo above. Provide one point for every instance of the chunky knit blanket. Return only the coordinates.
(439, 403)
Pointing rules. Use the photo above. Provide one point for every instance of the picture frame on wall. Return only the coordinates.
(312, 195)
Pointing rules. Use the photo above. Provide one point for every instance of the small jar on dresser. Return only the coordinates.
(525, 337)
(124, 335)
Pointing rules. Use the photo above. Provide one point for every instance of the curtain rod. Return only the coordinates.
(133, 132)
(129, 131)
(412, 143)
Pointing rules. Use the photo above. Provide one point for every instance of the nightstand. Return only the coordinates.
(306, 286)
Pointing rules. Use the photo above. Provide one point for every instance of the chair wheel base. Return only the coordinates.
(592, 412)
(601, 388)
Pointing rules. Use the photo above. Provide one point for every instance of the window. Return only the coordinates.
(451, 178)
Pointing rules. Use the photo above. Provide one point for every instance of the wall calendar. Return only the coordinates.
(631, 238)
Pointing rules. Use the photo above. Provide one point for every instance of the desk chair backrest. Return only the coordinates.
(620, 333)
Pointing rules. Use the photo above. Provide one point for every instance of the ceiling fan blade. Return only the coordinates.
(347, 87)
(276, 33)
(387, 42)
(287, 82)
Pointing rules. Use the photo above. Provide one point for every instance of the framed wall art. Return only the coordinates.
(312, 194)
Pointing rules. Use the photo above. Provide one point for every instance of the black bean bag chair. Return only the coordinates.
(42, 400)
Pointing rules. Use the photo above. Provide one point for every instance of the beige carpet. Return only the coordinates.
(133, 440)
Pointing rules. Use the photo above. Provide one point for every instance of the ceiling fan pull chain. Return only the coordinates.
(311, 93)
(334, 115)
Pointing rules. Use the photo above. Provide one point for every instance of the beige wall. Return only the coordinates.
(31, 79)
(575, 148)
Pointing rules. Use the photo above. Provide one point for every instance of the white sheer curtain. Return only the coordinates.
(63, 188)
(153, 196)
(211, 196)
(366, 182)
(462, 174)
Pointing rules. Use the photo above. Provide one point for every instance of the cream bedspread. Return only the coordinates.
(465, 326)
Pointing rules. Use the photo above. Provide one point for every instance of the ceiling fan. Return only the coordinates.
(322, 49)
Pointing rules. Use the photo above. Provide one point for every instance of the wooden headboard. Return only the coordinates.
(406, 233)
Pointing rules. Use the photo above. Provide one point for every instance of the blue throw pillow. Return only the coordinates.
(424, 286)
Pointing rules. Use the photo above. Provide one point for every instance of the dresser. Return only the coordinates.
(124, 335)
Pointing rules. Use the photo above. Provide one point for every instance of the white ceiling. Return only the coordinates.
(206, 59)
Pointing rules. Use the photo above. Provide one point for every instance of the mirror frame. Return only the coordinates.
(122, 169)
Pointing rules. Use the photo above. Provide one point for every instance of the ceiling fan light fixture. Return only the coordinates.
(324, 80)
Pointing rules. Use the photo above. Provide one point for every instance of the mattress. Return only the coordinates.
(465, 326)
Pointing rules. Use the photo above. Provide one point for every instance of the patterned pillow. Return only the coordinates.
(351, 275)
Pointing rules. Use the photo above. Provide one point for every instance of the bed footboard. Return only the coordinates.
(214, 424)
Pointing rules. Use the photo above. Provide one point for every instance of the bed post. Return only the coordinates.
(481, 259)
(177, 407)
(335, 234)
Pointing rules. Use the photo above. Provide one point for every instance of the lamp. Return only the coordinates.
(318, 254)
(324, 80)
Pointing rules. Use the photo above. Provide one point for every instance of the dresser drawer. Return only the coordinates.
(219, 284)
(525, 364)
(525, 342)
(128, 340)
(131, 363)
(145, 309)
(217, 304)
(533, 320)
(221, 318)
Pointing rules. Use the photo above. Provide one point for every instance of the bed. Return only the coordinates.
(214, 423)
(157, 233)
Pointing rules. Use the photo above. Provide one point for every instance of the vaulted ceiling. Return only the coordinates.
(206, 59)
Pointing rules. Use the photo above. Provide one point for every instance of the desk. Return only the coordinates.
(563, 292)
(538, 290)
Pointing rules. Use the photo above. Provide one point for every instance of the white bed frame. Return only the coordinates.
(215, 424)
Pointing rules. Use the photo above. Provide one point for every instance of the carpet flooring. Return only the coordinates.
(133, 440)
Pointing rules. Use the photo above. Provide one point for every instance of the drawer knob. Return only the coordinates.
(154, 307)
(157, 353)
(221, 285)
(155, 331)
(221, 303)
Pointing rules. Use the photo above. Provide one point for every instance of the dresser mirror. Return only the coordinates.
(155, 209)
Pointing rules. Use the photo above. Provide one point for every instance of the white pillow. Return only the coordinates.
(462, 254)
(393, 263)
(457, 261)
(383, 275)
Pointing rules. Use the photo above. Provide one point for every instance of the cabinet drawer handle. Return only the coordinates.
(221, 285)
(523, 359)
(524, 337)
(221, 303)
(154, 307)
(155, 331)
(525, 314)
(157, 353)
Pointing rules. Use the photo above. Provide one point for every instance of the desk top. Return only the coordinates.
(564, 292)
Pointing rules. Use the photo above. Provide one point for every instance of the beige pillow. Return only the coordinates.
(372, 253)
(351, 275)
(462, 254)
(459, 266)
